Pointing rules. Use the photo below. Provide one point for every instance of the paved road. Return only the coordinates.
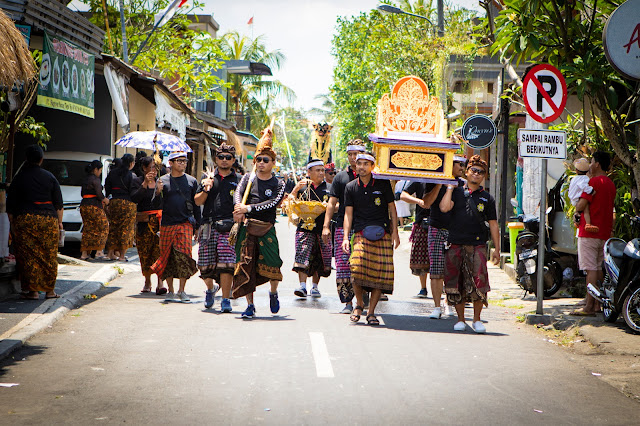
(130, 358)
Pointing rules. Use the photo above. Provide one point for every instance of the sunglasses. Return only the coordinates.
(477, 171)
(224, 157)
(331, 173)
(263, 159)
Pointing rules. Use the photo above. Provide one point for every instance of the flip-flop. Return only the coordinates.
(55, 296)
(356, 317)
(146, 290)
(581, 313)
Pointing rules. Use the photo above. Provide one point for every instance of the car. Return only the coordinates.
(69, 168)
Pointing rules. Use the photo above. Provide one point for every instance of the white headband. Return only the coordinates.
(459, 159)
(366, 157)
(315, 163)
(355, 148)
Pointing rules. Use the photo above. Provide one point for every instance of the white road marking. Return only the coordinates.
(320, 355)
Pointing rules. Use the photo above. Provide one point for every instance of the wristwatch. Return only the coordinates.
(249, 209)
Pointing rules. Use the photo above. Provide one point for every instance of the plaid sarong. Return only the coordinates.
(215, 254)
(35, 239)
(466, 279)
(343, 269)
(175, 252)
(95, 228)
(372, 263)
(419, 258)
(312, 255)
(437, 240)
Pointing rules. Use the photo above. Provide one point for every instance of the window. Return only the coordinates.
(490, 88)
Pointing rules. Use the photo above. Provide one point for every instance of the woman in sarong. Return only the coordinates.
(121, 211)
(147, 194)
(34, 205)
(95, 226)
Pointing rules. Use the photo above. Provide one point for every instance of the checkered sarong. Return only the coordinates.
(419, 258)
(215, 254)
(312, 255)
(175, 252)
(372, 263)
(437, 240)
(343, 269)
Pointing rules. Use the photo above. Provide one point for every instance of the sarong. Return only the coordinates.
(372, 263)
(215, 254)
(312, 255)
(343, 269)
(95, 228)
(257, 261)
(419, 258)
(122, 225)
(148, 243)
(35, 238)
(466, 277)
(175, 252)
(437, 240)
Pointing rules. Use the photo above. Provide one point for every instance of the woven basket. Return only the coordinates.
(304, 211)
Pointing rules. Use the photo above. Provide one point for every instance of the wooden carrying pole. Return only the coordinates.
(252, 176)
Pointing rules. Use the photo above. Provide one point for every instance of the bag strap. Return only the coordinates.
(474, 209)
(186, 200)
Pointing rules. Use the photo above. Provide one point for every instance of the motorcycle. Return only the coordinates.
(619, 292)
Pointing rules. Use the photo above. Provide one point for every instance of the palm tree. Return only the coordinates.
(251, 95)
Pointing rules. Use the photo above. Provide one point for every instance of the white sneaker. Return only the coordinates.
(460, 326)
(450, 311)
(170, 297)
(479, 327)
(184, 297)
(436, 314)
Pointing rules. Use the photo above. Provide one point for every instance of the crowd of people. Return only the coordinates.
(232, 216)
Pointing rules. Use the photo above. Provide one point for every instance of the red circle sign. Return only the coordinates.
(545, 93)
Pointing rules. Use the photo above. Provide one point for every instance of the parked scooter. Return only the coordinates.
(619, 293)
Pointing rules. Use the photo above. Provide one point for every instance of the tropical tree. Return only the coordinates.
(253, 95)
(373, 50)
(298, 135)
(185, 58)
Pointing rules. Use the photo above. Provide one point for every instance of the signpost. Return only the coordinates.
(545, 96)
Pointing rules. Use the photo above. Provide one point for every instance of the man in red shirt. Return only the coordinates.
(591, 244)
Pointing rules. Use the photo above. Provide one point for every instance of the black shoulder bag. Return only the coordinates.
(474, 209)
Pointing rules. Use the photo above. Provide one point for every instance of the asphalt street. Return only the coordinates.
(128, 357)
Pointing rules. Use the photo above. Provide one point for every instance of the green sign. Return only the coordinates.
(66, 77)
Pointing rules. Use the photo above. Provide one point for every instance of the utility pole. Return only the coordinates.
(123, 30)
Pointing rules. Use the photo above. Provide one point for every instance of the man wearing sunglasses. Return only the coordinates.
(330, 173)
(466, 279)
(216, 257)
(257, 251)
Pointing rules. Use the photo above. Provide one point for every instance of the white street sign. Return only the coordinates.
(542, 143)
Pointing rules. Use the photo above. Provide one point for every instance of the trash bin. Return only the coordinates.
(514, 230)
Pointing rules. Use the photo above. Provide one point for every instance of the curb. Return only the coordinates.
(54, 309)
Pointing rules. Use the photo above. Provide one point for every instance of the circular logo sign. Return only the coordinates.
(479, 131)
(621, 39)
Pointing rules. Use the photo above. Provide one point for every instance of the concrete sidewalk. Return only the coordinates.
(20, 319)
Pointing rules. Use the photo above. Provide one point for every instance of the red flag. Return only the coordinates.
(250, 21)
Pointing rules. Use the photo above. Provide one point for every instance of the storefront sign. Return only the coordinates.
(479, 131)
(542, 143)
(621, 39)
(66, 77)
(25, 30)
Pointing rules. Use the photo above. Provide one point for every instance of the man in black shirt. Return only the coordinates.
(466, 278)
(179, 217)
(343, 271)
(371, 210)
(419, 257)
(216, 257)
(257, 252)
(313, 256)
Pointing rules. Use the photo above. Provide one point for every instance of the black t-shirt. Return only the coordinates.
(438, 219)
(465, 228)
(145, 198)
(219, 203)
(174, 208)
(418, 190)
(337, 190)
(322, 194)
(370, 203)
(34, 190)
(289, 185)
(264, 197)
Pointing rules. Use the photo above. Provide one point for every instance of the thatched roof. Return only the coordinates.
(16, 60)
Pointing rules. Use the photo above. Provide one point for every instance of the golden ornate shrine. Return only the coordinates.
(410, 139)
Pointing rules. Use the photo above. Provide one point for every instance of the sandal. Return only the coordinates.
(52, 296)
(146, 290)
(372, 320)
(161, 290)
(356, 317)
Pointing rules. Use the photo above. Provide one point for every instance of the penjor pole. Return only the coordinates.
(286, 142)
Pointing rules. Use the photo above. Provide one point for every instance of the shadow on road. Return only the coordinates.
(21, 355)
(423, 324)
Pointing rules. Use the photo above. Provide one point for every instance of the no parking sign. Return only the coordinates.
(545, 93)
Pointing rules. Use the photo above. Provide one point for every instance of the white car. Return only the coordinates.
(69, 168)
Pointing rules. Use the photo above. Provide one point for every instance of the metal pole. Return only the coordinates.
(443, 88)
(440, 18)
(286, 142)
(504, 204)
(542, 233)
(123, 30)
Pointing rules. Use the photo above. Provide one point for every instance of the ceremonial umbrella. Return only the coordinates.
(145, 140)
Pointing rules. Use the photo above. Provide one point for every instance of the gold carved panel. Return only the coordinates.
(412, 160)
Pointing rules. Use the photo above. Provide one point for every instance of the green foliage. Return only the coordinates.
(298, 136)
(374, 50)
(36, 130)
(184, 58)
